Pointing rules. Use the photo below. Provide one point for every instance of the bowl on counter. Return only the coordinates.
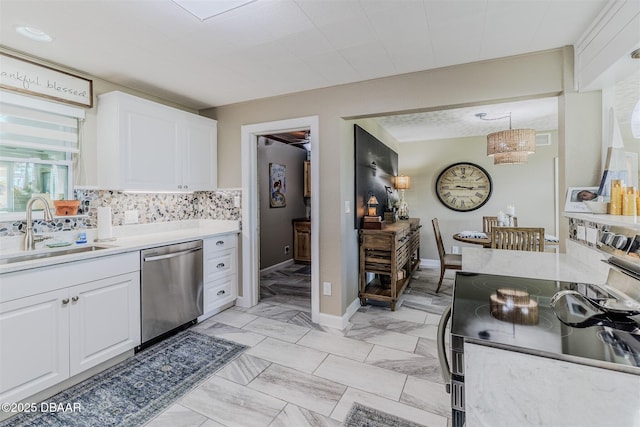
(597, 207)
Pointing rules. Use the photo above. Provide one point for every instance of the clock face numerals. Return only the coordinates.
(463, 187)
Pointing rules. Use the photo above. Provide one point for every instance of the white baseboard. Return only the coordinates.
(338, 322)
(430, 263)
(277, 266)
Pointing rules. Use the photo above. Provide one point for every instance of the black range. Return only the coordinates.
(522, 314)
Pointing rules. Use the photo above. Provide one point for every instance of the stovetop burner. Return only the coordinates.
(518, 312)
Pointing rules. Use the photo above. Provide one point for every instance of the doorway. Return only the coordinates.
(285, 218)
(250, 213)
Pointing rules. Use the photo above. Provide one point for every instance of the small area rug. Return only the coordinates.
(363, 416)
(137, 389)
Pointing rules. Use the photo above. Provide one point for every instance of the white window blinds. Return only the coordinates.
(23, 124)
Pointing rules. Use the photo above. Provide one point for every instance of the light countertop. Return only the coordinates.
(128, 238)
(539, 265)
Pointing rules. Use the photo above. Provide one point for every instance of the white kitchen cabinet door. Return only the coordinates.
(146, 146)
(34, 351)
(150, 151)
(199, 154)
(104, 320)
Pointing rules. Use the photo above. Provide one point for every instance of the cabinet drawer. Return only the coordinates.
(219, 292)
(219, 264)
(220, 243)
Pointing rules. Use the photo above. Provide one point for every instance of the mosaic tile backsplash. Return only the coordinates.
(151, 207)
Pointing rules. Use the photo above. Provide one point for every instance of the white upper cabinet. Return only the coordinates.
(146, 146)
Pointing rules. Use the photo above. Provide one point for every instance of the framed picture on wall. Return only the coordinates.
(577, 195)
(277, 185)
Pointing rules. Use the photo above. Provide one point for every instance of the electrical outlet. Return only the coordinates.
(326, 288)
(131, 216)
(286, 249)
(455, 249)
(347, 206)
(236, 201)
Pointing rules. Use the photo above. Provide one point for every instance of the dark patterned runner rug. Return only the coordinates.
(363, 416)
(137, 389)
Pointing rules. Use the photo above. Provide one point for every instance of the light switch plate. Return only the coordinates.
(581, 233)
(347, 207)
(236, 201)
(592, 235)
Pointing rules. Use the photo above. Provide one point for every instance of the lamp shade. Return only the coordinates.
(512, 141)
(511, 158)
(403, 182)
(372, 204)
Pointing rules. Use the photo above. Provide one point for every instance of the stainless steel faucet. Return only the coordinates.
(29, 239)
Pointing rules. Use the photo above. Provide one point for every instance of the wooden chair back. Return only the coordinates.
(447, 261)
(488, 222)
(436, 232)
(518, 238)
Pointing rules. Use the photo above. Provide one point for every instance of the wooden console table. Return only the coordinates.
(393, 255)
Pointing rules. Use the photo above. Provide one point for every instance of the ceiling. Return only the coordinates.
(273, 47)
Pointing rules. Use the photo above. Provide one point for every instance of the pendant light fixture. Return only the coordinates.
(511, 146)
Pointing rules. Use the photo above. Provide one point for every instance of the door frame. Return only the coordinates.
(250, 234)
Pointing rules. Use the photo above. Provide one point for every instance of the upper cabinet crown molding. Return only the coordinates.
(602, 55)
(146, 146)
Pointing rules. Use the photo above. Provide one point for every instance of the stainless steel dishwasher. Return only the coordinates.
(171, 293)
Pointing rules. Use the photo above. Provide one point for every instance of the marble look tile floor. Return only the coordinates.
(297, 373)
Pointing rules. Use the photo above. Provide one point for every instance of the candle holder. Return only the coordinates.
(615, 202)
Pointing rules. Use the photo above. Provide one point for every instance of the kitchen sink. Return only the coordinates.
(50, 254)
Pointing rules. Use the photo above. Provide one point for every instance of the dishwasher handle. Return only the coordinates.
(171, 255)
(442, 350)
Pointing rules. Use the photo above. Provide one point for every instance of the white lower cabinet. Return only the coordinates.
(35, 344)
(104, 320)
(220, 274)
(50, 336)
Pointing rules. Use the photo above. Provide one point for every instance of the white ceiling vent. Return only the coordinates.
(543, 139)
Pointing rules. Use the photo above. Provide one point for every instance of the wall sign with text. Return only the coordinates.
(28, 77)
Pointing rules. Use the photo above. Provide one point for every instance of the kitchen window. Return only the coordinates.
(38, 141)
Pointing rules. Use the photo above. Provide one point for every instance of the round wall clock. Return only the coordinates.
(464, 186)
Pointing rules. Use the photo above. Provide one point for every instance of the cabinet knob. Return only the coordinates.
(65, 301)
(220, 243)
(222, 292)
(221, 265)
(75, 299)
(179, 187)
(185, 186)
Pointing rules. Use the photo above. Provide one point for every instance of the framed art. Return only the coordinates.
(277, 185)
(577, 195)
(21, 75)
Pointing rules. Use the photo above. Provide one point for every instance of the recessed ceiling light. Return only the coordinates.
(34, 34)
(207, 9)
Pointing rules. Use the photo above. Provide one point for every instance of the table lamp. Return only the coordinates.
(402, 183)
(372, 206)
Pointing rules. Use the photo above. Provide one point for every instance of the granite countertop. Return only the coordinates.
(129, 238)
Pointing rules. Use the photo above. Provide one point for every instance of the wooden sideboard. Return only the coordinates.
(392, 255)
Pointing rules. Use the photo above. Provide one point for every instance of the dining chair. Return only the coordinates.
(447, 261)
(518, 238)
(488, 222)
